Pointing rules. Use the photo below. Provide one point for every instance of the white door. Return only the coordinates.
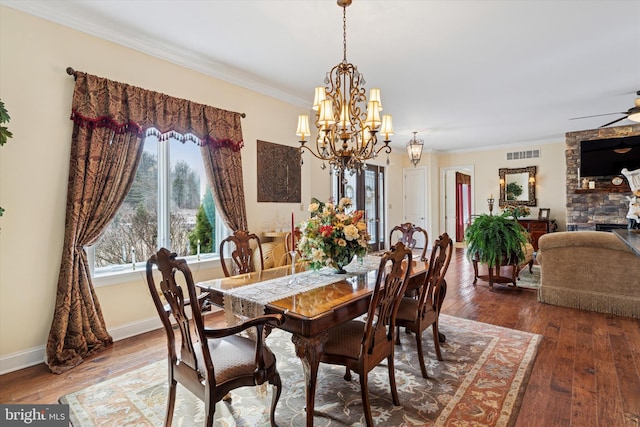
(414, 207)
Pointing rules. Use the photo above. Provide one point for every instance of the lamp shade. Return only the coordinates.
(325, 117)
(373, 115)
(320, 95)
(387, 126)
(374, 95)
(303, 126)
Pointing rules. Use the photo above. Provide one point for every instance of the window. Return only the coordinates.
(169, 205)
(366, 190)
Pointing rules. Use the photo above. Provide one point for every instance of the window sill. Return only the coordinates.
(129, 275)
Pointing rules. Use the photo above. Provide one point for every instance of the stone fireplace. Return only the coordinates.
(606, 204)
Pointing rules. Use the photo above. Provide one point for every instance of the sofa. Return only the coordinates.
(589, 270)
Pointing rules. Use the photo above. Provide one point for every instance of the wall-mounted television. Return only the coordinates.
(607, 157)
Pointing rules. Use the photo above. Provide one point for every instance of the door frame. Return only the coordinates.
(466, 169)
(424, 188)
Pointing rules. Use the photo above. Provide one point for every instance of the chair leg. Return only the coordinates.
(171, 403)
(347, 374)
(398, 335)
(436, 339)
(392, 380)
(275, 397)
(366, 404)
(210, 411)
(423, 368)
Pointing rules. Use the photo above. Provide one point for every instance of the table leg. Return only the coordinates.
(309, 350)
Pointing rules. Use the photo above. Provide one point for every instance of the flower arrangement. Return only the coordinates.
(516, 211)
(333, 235)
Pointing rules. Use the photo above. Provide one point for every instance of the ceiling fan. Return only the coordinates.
(632, 114)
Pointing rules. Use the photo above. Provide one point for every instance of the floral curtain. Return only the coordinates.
(110, 121)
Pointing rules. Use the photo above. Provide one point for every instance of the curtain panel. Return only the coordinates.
(110, 122)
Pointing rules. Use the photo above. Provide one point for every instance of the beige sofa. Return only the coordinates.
(590, 270)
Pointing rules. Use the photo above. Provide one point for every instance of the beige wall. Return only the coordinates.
(34, 54)
(550, 176)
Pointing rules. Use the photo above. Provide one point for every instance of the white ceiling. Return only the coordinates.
(464, 74)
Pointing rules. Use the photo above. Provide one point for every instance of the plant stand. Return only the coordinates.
(494, 276)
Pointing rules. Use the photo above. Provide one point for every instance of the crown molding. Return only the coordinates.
(47, 10)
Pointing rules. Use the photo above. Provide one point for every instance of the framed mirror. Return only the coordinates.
(518, 186)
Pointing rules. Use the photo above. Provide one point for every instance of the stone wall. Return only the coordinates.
(606, 204)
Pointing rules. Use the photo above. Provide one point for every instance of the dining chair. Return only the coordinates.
(242, 253)
(208, 362)
(416, 315)
(407, 230)
(360, 345)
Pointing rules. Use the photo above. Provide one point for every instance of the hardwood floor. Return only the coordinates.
(587, 371)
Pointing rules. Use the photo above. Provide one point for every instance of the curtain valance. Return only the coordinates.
(99, 102)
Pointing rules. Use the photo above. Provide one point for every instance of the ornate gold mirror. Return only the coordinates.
(518, 186)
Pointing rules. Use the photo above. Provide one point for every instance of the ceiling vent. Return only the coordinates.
(528, 154)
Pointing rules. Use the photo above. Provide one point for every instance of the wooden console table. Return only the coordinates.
(537, 228)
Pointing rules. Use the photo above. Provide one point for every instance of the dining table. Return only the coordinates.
(310, 301)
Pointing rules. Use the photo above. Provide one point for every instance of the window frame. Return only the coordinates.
(124, 273)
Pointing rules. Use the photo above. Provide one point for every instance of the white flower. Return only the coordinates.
(313, 207)
(342, 217)
(345, 201)
(351, 232)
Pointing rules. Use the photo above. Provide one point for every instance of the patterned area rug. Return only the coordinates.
(480, 383)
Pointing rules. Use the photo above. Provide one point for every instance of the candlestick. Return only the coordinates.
(293, 229)
(293, 266)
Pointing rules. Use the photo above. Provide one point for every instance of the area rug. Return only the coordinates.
(480, 383)
(529, 280)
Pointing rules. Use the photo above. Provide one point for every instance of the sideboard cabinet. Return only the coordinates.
(536, 228)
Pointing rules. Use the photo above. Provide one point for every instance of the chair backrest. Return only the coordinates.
(177, 295)
(392, 279)
(431, 292)
(242, 253)
(407, 231)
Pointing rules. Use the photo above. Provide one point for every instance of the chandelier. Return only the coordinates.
(347, 124)
(414, 148)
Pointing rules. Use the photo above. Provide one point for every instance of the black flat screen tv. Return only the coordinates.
(607, 157)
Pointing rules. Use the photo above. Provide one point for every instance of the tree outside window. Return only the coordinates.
(170, 183)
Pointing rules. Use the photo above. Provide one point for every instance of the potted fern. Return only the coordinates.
(496, 240)
(4, 132)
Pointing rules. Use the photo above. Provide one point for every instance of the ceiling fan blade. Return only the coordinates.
(596, 115)
(615, 121)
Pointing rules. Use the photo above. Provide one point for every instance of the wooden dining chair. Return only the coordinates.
(407, 230)
(416, 315)
(405, 234)
(208, 362)
(360, 345)
(242, 253)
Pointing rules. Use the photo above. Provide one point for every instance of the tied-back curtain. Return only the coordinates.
(224, 173)
(110, 121)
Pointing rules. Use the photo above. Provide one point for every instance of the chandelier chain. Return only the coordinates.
(344, 33)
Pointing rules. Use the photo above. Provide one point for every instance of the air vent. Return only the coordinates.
(528, 154)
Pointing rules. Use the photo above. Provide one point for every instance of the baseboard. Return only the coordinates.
(34, 356)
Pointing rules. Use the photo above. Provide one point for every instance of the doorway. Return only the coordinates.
(456, 199)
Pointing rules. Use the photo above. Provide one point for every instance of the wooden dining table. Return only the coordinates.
(309, 314)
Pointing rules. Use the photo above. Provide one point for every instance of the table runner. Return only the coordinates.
(249, 301)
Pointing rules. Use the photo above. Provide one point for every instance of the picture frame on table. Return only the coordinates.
(543, 213)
